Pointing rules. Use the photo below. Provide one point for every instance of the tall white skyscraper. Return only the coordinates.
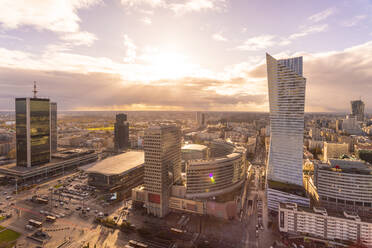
(287, 101)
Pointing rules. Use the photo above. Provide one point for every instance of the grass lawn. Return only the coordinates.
(8, 235)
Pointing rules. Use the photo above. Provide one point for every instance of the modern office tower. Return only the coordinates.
(121, 138)
(162, 145)
(286, 86)
(200, 119)
(357, 109)
(53, 127)
(32, 131)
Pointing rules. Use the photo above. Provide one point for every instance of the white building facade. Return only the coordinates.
(318, 223)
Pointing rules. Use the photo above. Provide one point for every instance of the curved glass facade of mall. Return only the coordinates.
(216, 176)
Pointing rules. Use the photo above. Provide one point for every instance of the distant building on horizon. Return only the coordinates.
(357, 109)
(200, 119)
(33, 131)
(53, 127)
(121, 136)
(286, 86)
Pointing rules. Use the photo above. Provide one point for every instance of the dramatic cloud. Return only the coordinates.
(322, 15)
(258, 43)
(180, 7)
(109, 91)
(309, 30)
(333, 79)
(265, 41)
(152, 3)
(146, 20)
(354, 21)
(80, 38)
(130, 49)
(54, 15)
(219, 37)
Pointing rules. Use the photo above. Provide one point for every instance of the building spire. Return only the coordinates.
(35, 91)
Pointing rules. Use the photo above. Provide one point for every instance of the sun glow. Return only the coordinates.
(174, 65)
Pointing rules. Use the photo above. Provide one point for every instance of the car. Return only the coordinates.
(78, 208)
(61, 203)
(88, 209)
(29, 227)
(1, 203)
(56, 206)
(11, 204)
(96, 211)
(41, 211)
(57, 216)
(5, 193)
(66, 208)
(8, 197)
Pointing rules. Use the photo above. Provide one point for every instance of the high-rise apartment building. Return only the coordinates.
(286, 86)
(32, 131)
(357, 109)
(121, 138)
(162, 145)
(53, 127)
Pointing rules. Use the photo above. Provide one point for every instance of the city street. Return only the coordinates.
(255, 236)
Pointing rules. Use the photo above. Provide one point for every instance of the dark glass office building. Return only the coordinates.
(32, 131)
(357, 109)
(53, 127)
(121, 138)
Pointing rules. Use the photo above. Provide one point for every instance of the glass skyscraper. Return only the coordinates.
(53, 127)
(357, 109)
(286, 86)
(121, 138)
(32, 131)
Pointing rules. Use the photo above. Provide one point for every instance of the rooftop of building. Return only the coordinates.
(57, 158)
(33, 98)
(351, 166)
(195, 147)
(118, 164)
(287, 187)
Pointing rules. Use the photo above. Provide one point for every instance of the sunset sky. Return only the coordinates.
(182, 54)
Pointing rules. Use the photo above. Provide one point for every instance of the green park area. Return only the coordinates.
(8, 237)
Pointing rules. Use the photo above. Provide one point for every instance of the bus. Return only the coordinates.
(137, 244)
(50, 218)
(176, 230)
(35, 223)
(41, 200)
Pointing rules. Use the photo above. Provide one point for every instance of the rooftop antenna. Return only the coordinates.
(35, 91)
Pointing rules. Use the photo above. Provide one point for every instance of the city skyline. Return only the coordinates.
(166, 55)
